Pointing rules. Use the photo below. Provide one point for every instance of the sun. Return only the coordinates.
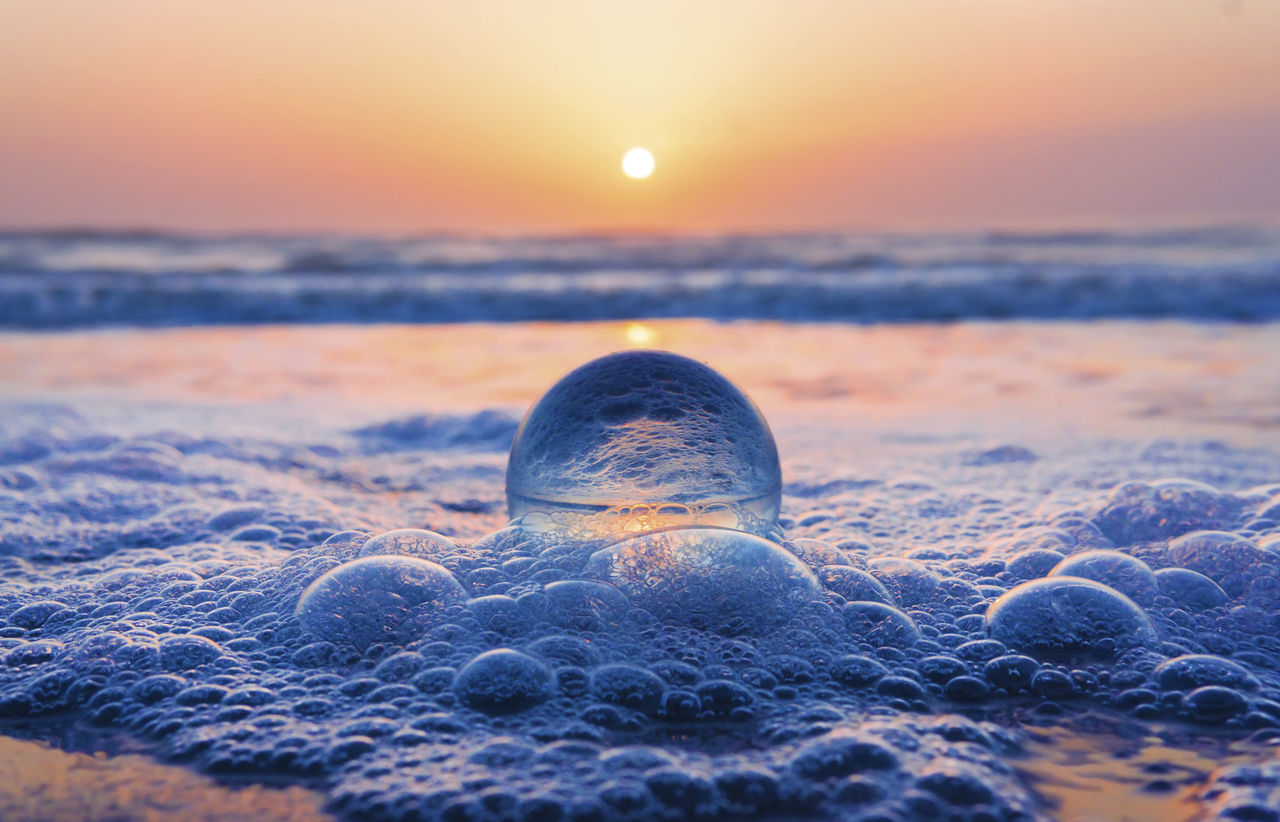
(637, 163)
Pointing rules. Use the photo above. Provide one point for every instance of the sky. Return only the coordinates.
(398, 116)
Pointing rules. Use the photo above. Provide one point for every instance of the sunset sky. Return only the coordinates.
(396, 116)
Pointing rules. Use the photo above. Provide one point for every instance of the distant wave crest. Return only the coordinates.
(61, 279)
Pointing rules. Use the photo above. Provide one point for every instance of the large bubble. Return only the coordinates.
(383, 598)
(1069, 616)
(1128, 575)
(641, 440)
(714, 579)
(1229, 559)
(1137, 512)
(1189, 589)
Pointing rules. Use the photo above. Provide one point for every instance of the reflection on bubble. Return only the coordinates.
(714, 579)
(1230, 560)
(642, 440)
(410, 542)
(378, 599)
(1128, 575)
(1136, 511)
(503, 680)
(880, 624)
(1189, 589)
(1068, 615)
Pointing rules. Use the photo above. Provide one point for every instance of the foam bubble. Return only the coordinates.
(1136, 511)
(503, 680)
(1184, 673)
(378, 599)
(1128, 575)
(715, 579)
(910, 582)
(410, 542)
(815, 553)
(880, 624)
(854, 585)
(1068, 615)
(1189, 589)
(640, 440)
(1228, 559)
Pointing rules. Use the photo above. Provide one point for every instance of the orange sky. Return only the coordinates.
(408, 116)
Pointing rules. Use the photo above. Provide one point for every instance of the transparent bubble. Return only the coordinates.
(378, 599)
(1069, 616)
(1182, 673)
(410, 542)
(854, 585)
(580, 604)
(1137, 512)
(642, 440)
(715, 579)
(1128, 575)
(503, 680)
(815, 553)
(910, 582)
(880, 624)
(1190, 590)
(1034, 563)
(1228, 559)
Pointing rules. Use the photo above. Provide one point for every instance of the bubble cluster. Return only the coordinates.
(835, 671)
(645, 439)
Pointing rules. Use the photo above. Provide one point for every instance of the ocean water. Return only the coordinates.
(78, 279)
(1023, 569)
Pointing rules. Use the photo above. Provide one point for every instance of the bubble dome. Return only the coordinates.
(640, 440)
(1068, 616)
(384, 598)
(1128, 575)
(713, 579)
(409, 542)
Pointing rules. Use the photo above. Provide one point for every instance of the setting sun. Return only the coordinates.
(637, 163)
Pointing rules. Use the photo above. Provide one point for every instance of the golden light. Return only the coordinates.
(637, 163)
(639, 334)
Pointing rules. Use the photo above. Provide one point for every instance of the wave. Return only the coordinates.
(77, 278)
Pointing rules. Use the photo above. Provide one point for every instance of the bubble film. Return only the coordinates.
(1068, 615)
(714, 579)
(383, 598)
(641, 440)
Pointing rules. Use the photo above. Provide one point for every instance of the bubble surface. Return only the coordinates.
(1068, 615)
(382, 598)
(1128, 575)
(644, 439)
(503, 680)
(410, 542)
(714, 579)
